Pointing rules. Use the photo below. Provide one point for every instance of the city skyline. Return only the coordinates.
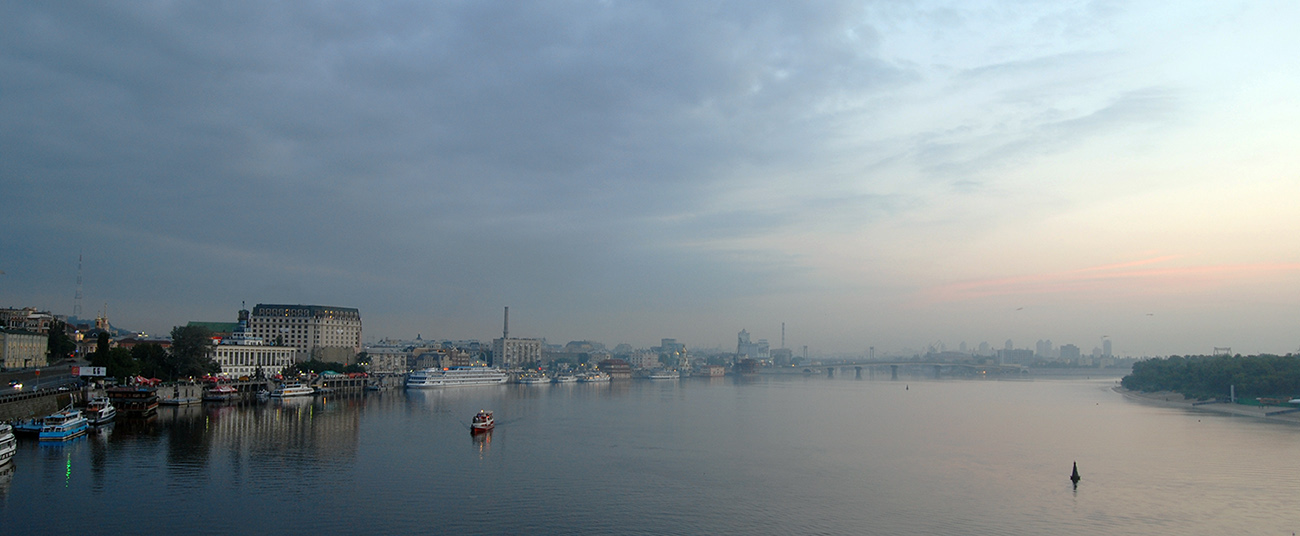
(881, 176)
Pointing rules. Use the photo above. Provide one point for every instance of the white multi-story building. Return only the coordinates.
(319, 332)
(387, 359)
(511, 353)
(238, 360)
(244, 354)
(643, 359)
(22, 349)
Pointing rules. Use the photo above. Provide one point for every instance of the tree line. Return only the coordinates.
(1204, 377)
(190, 356)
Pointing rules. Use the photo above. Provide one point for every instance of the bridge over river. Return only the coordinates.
(934, 369)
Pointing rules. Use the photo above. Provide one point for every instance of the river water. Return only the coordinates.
(752, 455)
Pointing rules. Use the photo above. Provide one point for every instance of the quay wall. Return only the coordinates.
(37, 404)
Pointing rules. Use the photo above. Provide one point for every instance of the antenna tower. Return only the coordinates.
(76, 300)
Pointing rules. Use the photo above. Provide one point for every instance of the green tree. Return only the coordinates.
(191, 353)
(149, 359)
(122, 364)
(100, 358)
(59, 345)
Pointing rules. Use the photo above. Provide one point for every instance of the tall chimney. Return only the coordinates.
(505, 332)
(783, 335)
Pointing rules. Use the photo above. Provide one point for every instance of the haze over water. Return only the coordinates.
(763, 455)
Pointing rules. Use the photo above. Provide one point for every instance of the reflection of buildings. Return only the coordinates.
(6, 475)
(292, 428)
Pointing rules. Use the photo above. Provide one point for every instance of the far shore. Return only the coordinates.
(1171, 399)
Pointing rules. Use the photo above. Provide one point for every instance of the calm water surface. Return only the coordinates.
(764, 455)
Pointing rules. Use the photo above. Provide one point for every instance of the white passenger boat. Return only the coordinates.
(292, 390)
(592, 377)
(433, 378)
(565, 378)
(663, 375)
(64, 425)
(535, 379)
(221, 393)
(100, 410)
(8, 443)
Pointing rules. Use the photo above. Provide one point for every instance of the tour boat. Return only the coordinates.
(663, 375)
(100, 410)
(28, 426)
(591, 377)
(8, 443)
(565, 378)
(537, 379)
(134, 401)
(454, 377)
(64, 425)
(179, 398)
(482, 422)
(220, 393)
(291, 390)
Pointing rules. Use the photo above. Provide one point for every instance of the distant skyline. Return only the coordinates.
(873, 174)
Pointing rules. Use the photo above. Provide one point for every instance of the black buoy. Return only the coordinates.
(1074, 476)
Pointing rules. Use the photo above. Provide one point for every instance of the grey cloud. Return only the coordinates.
(396, 137)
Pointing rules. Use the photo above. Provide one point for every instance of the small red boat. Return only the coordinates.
(483, 422)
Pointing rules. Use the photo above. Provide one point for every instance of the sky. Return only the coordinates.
(897, 175)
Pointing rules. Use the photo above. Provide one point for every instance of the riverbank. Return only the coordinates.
(1171, 399)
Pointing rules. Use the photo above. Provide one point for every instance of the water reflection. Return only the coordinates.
(6, 476)
(482, 443)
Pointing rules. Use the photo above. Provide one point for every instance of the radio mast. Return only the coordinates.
(76, 300)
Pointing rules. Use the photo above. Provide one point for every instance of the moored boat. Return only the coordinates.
(8, 443)
(134, 401)
(565, 378)
(64, 425)
(455, 377)
(592, 377)
(291, 390)
(28, 426)
(100, 410)
(660, 374)
(534, 379)
(179, 397)
(220, 393)
(482, 422)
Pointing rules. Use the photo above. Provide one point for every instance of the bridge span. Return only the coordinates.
(934, 369)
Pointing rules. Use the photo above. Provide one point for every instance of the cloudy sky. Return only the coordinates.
(888, 174)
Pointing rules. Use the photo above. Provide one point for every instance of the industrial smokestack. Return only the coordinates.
(505, 331)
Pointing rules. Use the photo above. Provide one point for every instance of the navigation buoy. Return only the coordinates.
(1074, 476)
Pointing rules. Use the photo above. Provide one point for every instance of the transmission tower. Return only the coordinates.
(76, 301)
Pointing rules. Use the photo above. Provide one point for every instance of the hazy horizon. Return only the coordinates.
(888, 175)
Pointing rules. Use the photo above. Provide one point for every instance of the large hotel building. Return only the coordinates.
(321, 332)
